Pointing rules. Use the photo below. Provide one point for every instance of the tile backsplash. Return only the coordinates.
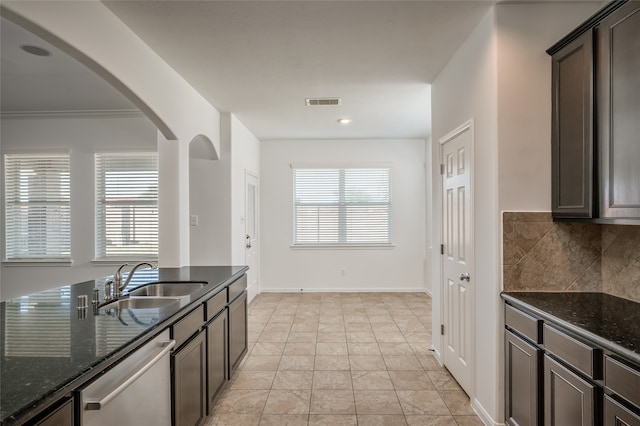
(621, 261)
(542, 255)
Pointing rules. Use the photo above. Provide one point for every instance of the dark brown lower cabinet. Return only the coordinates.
(189, 367)
(615, 414)
(61, 416)
(569, 400)
(217, 365)
(522, 393)
(237, 332)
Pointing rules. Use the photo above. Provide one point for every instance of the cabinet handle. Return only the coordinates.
(96, 405)
(248, 240)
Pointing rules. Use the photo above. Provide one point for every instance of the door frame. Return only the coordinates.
(464, 127)
(249, 173)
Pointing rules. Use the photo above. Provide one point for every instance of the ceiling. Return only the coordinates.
(261, 59)
(56, 83)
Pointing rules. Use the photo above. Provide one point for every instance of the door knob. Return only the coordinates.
(465, 277)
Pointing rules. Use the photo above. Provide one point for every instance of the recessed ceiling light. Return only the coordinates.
(344, 121)
(35, 50)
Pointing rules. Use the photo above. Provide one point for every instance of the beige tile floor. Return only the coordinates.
(341, 359)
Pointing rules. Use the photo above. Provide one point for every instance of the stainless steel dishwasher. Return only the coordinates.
(137, 391)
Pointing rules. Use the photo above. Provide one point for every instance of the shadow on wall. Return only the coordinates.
(202, 148)
(542, 255)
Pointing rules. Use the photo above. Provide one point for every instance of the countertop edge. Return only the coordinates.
(579, 331)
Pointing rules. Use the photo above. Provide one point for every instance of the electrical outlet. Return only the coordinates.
(194, 220)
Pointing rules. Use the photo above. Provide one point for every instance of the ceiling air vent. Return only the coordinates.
(322, 101)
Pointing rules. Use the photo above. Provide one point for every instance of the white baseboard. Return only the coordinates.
(482, 413)
(437, 354)
(344, 290)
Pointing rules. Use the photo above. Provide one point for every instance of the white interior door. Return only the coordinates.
(251, 222)
(457, 258)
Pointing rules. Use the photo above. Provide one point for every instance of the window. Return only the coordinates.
(126, 205)
(342, 206)
(37, 206)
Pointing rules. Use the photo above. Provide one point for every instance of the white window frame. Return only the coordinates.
(342, 205)
(60, 238)
(101, 255)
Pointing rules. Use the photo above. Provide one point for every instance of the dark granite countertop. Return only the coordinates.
(48, 349)
(609, 321)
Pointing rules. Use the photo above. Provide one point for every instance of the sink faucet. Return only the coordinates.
(117, 283)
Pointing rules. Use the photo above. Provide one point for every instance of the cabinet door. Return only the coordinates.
(617, 415)
(217, 346)
(618, 111)
(237, 332)
(62, 416)
(572, 129)
(522, 391)
(569, 400)
(189, 382)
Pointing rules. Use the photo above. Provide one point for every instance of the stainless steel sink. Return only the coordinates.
(167, 289)
(142, 303)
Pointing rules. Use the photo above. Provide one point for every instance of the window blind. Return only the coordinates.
(342, 206)
(126, 205)
(37, 206)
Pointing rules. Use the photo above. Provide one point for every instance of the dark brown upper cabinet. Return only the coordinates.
(572, 129)
(596, 118)
(618, 77)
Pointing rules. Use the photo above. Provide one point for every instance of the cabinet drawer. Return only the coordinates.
(237, 287)
(622, 380)
(615, 414)
(215, 305)
(62, 416)
(581, 356)
(187, 326)
(523, 323)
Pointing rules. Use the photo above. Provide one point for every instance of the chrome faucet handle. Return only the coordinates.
(117, 277)
(108, 289)
(117, 281)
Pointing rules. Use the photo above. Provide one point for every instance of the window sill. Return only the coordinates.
(342, 246)
(120, 261)
(37, 262)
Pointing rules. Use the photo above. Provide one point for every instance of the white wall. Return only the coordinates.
(210, 200)
(466, 89)
(82, 137)
(173, 202)
(500, 77)
(245, 158)
(397, 269)
(217, 196)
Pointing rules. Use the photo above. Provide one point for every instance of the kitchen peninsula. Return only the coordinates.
(51, 347)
